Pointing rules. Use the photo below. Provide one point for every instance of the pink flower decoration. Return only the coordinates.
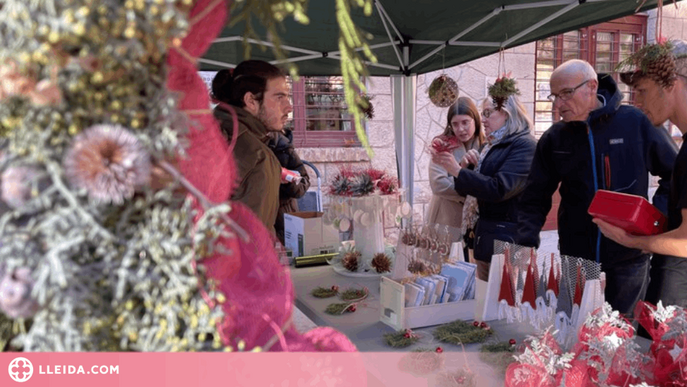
(15, 294)
(109, 162)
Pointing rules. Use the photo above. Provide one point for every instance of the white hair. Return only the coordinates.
(518, 120)
(575, 66)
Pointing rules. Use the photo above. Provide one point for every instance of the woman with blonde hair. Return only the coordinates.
(463, 132)
(498, 179)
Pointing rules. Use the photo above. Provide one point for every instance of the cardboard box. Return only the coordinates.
(306, 234)
(396, 315)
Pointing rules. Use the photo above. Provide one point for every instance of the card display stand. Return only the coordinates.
(396, 315)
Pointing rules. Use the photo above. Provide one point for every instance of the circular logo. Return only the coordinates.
(20, 369)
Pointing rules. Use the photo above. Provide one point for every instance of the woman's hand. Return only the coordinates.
(446, 161)
(471, 157)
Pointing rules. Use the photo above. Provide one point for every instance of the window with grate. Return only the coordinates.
(603, 46)
(320, 113)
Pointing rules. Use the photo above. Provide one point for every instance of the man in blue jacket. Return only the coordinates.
(599, 144)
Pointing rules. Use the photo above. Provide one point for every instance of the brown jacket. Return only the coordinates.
(446, 206)
(259, 172)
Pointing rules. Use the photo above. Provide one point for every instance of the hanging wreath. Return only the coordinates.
(502, 89)
(443, 91)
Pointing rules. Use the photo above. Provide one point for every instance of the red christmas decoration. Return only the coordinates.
(528, 293)
(351, 308)
(475, 323)
(484, 325)
(406, 335)
(445, 143)
(511, 341)
(506, 291)
(439, 350)
(579, 286)
(552, 284)
(335, 288)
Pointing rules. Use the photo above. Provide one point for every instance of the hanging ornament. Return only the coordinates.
(654, 61)
(502, 89)
(344, 224)
(443, 91)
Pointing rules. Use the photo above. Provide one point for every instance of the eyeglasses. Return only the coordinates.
(486, 113)
(566, 94)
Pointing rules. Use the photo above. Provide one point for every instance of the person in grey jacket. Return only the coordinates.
(464, 124)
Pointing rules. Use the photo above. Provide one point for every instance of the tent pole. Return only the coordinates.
(403, 88)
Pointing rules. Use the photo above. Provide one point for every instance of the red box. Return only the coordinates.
(632, 213)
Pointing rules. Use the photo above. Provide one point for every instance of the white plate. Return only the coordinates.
(347, 273)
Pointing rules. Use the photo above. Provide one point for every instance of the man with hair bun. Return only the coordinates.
(259, 94)
(599, 144)
(662, 96)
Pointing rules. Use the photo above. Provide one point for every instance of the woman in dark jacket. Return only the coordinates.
(282, 146)
(498, 179)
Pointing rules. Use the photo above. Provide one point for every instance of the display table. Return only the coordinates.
(365, 330)
(363, 327)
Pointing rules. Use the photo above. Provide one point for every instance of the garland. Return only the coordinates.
(461, 332)
(321, 292)
(401, 339)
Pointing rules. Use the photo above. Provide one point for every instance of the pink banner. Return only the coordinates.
(242, 369)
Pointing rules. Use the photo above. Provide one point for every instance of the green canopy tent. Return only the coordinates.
(407, 35)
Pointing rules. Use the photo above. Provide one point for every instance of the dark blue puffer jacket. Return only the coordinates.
(626, 148)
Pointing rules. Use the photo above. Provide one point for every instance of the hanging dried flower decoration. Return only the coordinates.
(655, 61)
(109, 162)
(502, 89)
(443, 91)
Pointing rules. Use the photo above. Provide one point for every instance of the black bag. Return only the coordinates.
(488, 231)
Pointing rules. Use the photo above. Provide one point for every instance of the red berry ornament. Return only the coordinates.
(483, 325)
(335, 288)
(406, 335)
(511, 341)
(439, 350)
(475, 323)
(352, 308)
